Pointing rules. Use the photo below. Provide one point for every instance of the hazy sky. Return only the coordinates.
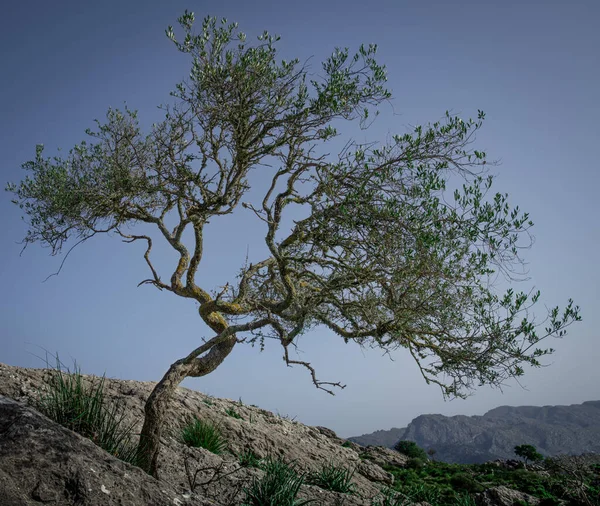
(532, 66)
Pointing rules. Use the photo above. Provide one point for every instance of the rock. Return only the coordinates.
(44, 463)
(503, 496)
(384, 456)
(553, 430)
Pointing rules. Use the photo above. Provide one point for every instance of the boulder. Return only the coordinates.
(42, 462)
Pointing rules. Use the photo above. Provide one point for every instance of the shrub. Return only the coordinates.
(200, 434)
(463, 481)
(410, 449)
(415, 463)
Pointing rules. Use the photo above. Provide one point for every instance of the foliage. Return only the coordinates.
(335, 479)
(415, 463)
(79, 405)
(383, 258)
(410, 449)
(419, 492)
(249, 459)
(201, 434)
(278, 487)
(464, 482)
(233, 413)
(528, 452)
(388, 497)
(386, 256)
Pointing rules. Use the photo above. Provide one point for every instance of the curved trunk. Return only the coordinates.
(158, 402)
(155, 409)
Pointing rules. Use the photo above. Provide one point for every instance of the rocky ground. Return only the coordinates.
(43, 463)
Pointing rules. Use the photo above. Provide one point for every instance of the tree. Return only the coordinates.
(410, 449)
(431, 452)
(528, 452)
(382, 259)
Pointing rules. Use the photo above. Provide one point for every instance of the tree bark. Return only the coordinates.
(158, 402)
(155, 409)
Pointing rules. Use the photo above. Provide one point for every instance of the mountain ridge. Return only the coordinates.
(463, 439)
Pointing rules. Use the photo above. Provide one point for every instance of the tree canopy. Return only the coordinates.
(385, 258)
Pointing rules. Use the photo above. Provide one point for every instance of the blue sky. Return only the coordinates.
(533, 67)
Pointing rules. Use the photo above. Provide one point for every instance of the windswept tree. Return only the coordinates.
(384, 258)
(528, 452)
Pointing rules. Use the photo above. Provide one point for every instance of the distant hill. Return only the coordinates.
(553, 430)
(387, 438)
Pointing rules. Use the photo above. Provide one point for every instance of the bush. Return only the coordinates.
(415, 463)
(463, 481)
(410, 449)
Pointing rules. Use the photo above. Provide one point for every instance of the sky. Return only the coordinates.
(532, 67)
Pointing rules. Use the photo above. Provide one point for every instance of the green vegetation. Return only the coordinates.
(443, 484)
(79, 405)
(201, 434)
(278, 487)
(233, 413)
(528, 452)
(374, 208)
(249, 459)
(410, 449)
(331, 478)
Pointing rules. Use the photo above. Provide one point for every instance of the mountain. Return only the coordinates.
(460, 439)
(387, 438)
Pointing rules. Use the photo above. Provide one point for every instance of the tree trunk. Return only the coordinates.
(158, 401)
(155, 409)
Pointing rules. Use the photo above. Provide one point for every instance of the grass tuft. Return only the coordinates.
(200, 434)
(334, 479)
(81, 407)
(278, 487)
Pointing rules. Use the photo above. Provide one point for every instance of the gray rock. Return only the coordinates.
(553, 430)
(42, 462)
(503, 496)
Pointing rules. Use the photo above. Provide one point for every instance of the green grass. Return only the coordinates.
(201, 434)
(233, 413)
(249, 459)
(278, 487)
(335, 479)
(81, 407)
(389, 497)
